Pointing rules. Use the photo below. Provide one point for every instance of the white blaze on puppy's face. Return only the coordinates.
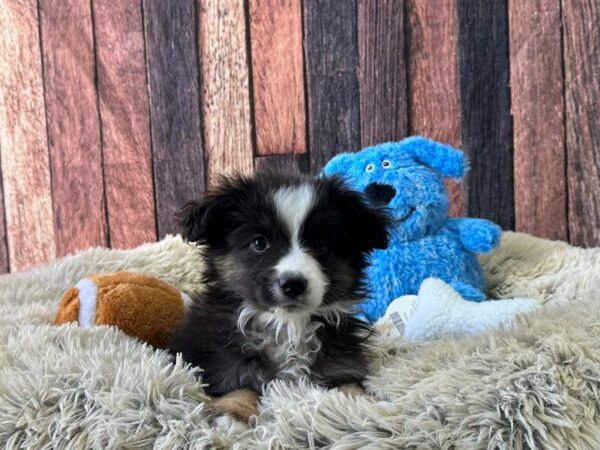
(293, 205)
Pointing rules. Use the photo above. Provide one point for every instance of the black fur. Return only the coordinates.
(339, 232)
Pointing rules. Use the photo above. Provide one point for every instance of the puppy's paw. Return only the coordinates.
(241, 404)
(353, 389)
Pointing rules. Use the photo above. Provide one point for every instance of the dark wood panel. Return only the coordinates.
(23, 138)
(485, 110)
(536, 82)
(4, 262)
(382, 71)
(331, 53)
(225, 88)
(433, 78)
(124, 115)
(172, 64)
(277, 76)
(73, 125)
(582, 79)
(283, 163)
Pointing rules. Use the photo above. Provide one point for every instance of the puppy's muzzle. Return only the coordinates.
(380, 194)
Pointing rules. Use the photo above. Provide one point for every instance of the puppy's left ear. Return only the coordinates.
(444, 159)
(369, 224)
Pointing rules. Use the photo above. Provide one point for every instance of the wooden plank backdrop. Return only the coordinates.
(113, 113)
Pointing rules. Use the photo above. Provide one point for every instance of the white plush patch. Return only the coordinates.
(88, 293)
(440, 311)
(293, 205)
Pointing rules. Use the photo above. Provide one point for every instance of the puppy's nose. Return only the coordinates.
(292, 284)
(380, 194)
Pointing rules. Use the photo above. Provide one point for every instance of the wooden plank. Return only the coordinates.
(382, 71)
(277, 76)
(4, 262)
(23, 138)
(331, 53)
(124, 115)
(581, 40)
(225, 88)
(433, 78)
(485, 110)
(172, 59)
(73, 125)
(538, 118)
(283, 163)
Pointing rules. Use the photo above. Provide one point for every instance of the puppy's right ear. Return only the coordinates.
(201, 221)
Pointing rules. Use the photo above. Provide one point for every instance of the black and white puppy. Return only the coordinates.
(285, 258)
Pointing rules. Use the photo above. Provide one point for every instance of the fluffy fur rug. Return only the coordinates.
(534, 386)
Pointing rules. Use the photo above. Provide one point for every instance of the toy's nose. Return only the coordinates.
(380, 194)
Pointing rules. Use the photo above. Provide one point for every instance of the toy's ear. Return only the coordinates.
(444, 159)
(340, 164)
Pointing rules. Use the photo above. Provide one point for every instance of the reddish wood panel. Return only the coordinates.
(73, 124)
(581, 40)
(172, 60)
(25, 169)
(124, 115)
(331, 51)
(433, 78)
(538, 118)
(382, 71)
(277, 76)
(225, 91)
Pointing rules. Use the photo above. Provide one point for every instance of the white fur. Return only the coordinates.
(293, 204)
(88, 293)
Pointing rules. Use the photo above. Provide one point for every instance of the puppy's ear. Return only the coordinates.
(207, 221)
(368, 225)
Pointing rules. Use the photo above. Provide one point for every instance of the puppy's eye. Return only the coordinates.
(386, 164)
(370, 168)
(259, 244)
(320, 248)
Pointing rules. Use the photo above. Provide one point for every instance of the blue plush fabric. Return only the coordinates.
(425, 242)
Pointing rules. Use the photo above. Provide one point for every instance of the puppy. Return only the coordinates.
(285, 258)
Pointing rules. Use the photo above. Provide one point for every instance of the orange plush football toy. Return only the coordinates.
(141, 306)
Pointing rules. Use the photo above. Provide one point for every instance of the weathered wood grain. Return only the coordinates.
(172, 64)
(538, 118)
(433, 78)
(485, 110)
(277, 76)
(73, 124)
(581, 42)
(4, 262)
(382, 71)
(225, 88)
(331, 53)
(23, 138)
(124, 115)
(283, 163)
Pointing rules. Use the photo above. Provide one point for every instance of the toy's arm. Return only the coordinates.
(476, 235)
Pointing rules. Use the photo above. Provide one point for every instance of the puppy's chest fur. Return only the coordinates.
(291, 344)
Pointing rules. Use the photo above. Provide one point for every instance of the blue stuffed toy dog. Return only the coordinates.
(407, 178)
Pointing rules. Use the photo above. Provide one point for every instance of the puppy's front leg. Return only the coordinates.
(354, 389)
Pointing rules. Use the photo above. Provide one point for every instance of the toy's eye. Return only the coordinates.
(370, 168)
(386, 164)
(259, 244)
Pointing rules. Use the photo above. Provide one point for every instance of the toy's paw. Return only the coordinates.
(480, 235)
(468, 292)
(442, 312)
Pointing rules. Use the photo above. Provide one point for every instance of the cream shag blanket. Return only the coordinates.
(534, 386)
